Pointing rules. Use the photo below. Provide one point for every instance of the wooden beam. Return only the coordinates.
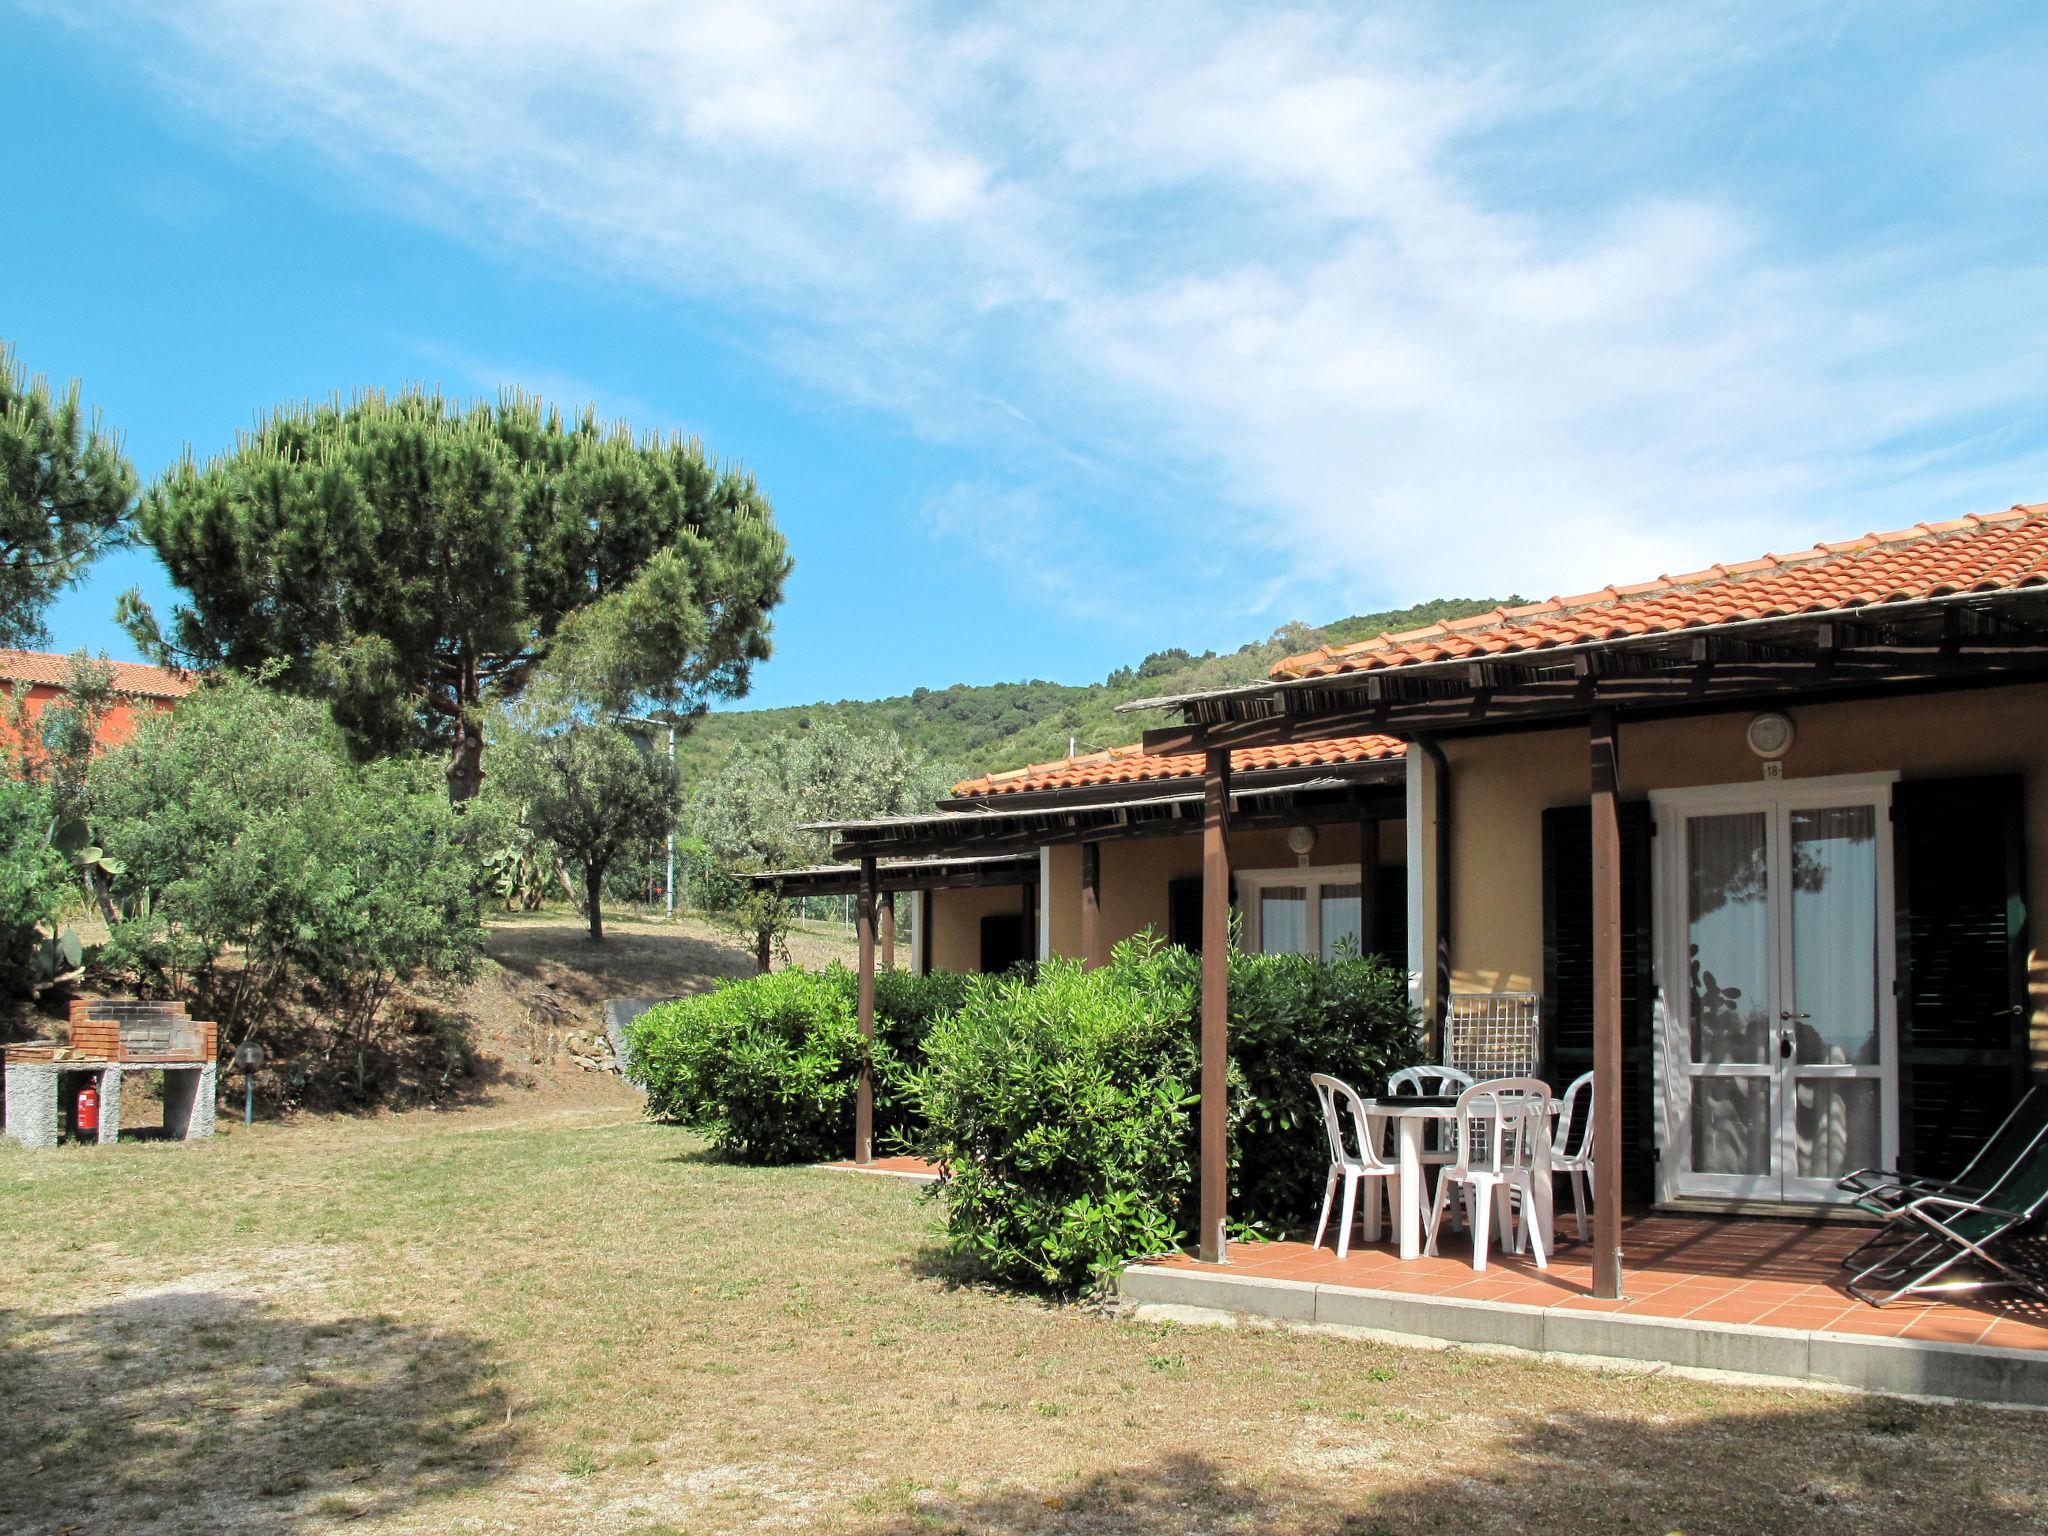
(889, 932)
(1605, 741)
(1690, 674)
(1215, 1120)
(1092, 954)
(864, 1092)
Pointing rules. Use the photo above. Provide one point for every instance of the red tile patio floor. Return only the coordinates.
(1771, 1274)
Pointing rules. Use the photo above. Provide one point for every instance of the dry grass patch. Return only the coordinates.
(571, 1321)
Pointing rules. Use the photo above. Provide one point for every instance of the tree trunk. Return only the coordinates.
(761, 952)
(593, 893)
(466, 762)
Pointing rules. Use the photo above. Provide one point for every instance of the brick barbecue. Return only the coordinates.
(110, 1038)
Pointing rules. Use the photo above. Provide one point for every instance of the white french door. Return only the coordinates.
(1776, 1062)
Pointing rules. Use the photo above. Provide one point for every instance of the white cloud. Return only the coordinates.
(1362, 293)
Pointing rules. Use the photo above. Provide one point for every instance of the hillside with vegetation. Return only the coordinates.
(993, 726)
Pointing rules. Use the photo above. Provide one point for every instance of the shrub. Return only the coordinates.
(764, 1067)
(262, 865)
(1061, 1108)
(767, 1067)
(1066, 1109)
(1289, 1016)
(35, 882)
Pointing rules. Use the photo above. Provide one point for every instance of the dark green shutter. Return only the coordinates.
(1391, 939)
(1959, 847)
(1568, 975)
(1184, 913)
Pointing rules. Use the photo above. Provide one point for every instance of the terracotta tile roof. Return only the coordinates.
(1134, 765)
(129, 677)
(1991, 552)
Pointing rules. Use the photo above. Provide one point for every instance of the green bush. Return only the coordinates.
(1290, 1016)
(767, 1067)
(1062, 1109)
(263, 867)
(1065, 1109)
(35, 882)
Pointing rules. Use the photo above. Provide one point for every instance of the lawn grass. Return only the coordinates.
(502, 1320)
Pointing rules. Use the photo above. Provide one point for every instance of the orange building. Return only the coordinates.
(138, 689)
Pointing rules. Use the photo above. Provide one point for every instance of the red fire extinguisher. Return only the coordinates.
(89, 1112)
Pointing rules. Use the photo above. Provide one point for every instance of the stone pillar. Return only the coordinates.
(110, 1105)
(189, 1093)
(32, 1103)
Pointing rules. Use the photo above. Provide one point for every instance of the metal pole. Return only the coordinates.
(668, 886)
(248, 1098)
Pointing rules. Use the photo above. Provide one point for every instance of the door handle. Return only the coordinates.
(1787, 1018)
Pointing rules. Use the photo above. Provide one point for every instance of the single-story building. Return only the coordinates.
(37, 679)
(1763, 837)
(1072, 857)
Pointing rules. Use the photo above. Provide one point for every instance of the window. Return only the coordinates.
(1313, 911)
(1283, 920)
(1342, 909)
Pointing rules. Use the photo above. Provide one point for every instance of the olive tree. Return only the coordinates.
(752, 813)
(593, 789)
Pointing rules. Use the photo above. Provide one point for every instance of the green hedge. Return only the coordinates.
(1062, 1105)
(767, 1067)
(1065, 1109)
(1062, 1110)
(1290, 1016)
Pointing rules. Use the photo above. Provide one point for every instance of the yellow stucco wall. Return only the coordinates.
(1501, 785)
(955, 940)
(1137, 871)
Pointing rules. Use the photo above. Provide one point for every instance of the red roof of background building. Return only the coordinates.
(50, 671)
(1134, 765)
(1991, 552)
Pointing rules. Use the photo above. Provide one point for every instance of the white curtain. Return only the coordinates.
(1283, 920)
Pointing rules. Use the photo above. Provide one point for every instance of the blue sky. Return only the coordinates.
(1060, 334)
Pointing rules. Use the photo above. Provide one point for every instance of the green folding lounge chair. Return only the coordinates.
(1882, 1192)
(1940, 1230)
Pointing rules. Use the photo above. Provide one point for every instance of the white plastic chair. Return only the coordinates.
(1572, 1158)
(1498, 1122)
(1366, 1163)
(1429, 1081)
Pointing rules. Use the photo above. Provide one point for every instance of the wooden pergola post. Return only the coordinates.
(864, 1093)
(1605, 733)
(1215, 1129)
(1091, 906)
(889, 933)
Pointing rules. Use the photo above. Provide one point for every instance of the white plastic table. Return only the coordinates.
(1410, 1117)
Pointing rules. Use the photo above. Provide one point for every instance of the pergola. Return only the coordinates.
(968, 843)
(1629, 673)
(870, 879)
